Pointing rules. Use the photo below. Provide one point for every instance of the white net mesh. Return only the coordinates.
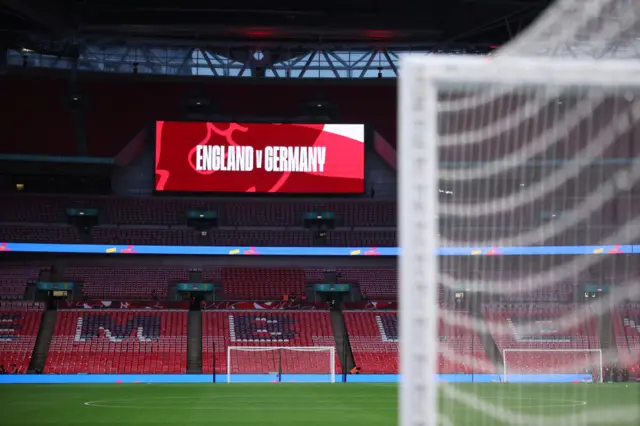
(582, 28)
(523, 173)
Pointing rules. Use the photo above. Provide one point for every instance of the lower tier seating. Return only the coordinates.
(118, 342)
(18, 332)
(626, 325)
(263, 329)
(539, 329)
(374, 342)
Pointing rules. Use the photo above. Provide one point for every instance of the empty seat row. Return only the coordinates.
(173, 211)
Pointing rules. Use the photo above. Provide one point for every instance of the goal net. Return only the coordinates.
(575, 365)
(519, 198)
(281, 364)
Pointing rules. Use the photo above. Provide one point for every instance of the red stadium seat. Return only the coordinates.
(19, 327)
(143, 282)
(531, 326)
(118, 342)
(45, 233)
(374, 342)
(626, 326)
(257, 283)
(14, 279)
(144, 236)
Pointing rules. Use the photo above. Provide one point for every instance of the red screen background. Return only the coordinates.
(176, 144)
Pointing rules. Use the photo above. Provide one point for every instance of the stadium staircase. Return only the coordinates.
(343, 347)
(194, 343)
(41, 348)
(491, 348)
(607, 338)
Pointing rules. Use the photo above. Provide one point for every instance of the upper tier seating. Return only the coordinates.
(33, 209)
(14, 279)
(374, 342)
(230, 237)
(145, 282)
(38, 100)
(172, 211)
(45, 233)
(144, 236)
(118, 342)
(19, 327)
(221, 329)
(356, 213)
(536, 326)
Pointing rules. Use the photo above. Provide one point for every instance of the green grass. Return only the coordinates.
(302, 404)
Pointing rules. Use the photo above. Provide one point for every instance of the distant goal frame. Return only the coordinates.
(505, 375)
(330, 349)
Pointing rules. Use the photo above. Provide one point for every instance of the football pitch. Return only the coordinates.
(309, 404)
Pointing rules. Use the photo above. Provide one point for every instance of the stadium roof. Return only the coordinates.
(405, 21)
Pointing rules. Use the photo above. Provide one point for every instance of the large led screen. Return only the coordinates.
(259, 157)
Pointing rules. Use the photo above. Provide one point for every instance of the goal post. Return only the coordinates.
(506, 187)
(569, 362)
(317, 362)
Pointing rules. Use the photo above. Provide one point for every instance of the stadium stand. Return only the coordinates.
(261, 237)
(45, 233)
(14, 279)
(358, 104)
(368, 222)
(110, 342)
(257, 283)
(375, 283)
(19, 324)
(368, 238)
(536, 326)
(374, 342)
(167, 211)
(270, 283)
(142, 282)
(32, 209)
(221, 329)
(461, 340)
(144, 236)
(626, 325)
(556, 292)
